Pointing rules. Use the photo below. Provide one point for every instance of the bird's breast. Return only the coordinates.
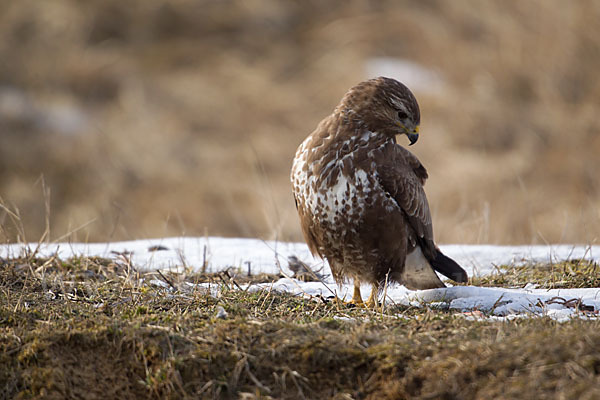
(339, 197)
(336, 184)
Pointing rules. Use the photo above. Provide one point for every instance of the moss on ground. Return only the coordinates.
(93, 328)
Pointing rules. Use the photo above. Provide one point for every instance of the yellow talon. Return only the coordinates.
(373, 300)
(356, 297)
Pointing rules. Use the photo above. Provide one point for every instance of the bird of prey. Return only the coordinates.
(360, 196)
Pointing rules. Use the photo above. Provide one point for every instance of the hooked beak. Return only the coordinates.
(413, 136)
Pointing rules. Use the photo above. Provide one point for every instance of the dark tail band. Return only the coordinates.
(449, 268)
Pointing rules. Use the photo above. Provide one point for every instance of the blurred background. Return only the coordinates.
(147, 118)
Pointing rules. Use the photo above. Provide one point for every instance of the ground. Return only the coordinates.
(95, 328)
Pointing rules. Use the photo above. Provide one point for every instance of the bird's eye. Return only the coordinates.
(402, 115)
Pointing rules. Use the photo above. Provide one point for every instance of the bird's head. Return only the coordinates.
(385, 106)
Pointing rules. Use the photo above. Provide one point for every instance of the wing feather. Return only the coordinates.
(402, 175)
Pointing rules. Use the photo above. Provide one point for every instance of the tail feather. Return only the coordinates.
(449, 268)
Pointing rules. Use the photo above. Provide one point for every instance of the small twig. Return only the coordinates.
(496, 303)
(166, 279)
(74, 230)
(385, 291)
(293, 374)
(255, 380)
(572, 303)
(204, 260)
(226, 272)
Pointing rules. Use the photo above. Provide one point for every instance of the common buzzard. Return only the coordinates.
(360, 195)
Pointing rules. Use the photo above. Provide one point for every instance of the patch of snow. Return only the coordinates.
(417, 77)
(217, 254)
(60, 115)
(159, 283)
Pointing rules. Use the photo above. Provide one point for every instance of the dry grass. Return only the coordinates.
(152, 118)
(96, 328)
(564, 275)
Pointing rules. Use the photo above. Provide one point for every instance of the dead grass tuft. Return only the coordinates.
(562, 275)
(90, 327)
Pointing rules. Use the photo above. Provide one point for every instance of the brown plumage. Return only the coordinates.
(360, 195)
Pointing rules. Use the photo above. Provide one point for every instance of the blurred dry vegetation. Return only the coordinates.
(149, 118)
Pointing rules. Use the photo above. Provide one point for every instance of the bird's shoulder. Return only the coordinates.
(395, 161)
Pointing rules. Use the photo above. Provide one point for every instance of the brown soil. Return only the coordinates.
(92, 328)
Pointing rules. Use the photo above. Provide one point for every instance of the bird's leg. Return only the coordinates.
(373, 300)
(356, 297)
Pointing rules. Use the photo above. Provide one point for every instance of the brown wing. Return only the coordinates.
(402, 175)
